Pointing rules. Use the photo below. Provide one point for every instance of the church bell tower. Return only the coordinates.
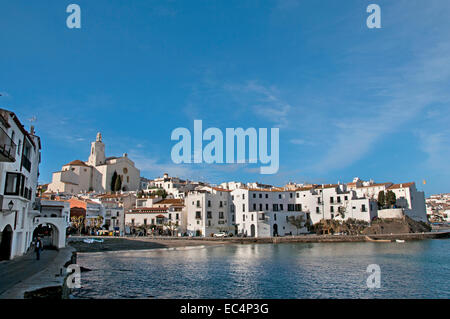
(97, 156)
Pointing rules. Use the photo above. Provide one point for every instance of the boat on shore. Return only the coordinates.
(377, 240)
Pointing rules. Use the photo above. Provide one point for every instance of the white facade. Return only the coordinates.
(209, 211)
(19, 170)
(95, 174)
(266, 212)
(335, 202)
(411, 200)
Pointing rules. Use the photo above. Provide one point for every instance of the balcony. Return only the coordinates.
(7, 148)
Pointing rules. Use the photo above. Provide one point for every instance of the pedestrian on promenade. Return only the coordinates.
(38, 248)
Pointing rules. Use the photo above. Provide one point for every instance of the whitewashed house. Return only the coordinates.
(209, 211)
(266, 212)
(20, 155)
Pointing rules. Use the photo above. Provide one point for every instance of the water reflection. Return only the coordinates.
(335, 270)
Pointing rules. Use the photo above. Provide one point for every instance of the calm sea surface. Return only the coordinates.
(417, 269)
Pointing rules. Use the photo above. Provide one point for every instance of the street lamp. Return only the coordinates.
(10, 205)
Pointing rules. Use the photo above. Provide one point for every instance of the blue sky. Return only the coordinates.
(349, 101)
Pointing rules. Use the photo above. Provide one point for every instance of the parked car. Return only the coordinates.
(221, 234)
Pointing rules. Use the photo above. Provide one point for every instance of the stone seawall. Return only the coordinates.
(314, 238)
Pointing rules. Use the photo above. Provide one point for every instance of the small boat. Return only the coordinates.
(399, 241)
(377, 240)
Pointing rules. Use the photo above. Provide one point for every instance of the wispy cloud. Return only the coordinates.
(262, 100)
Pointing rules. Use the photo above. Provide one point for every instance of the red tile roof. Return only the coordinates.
(77, 163)
(402, 185)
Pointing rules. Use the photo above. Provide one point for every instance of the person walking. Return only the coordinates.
(38, 248)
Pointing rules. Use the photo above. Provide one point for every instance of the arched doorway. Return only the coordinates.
(49, 235)
(275, 230)
(252, 230)
(5, 244)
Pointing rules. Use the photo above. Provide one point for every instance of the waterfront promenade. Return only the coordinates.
(25, 273)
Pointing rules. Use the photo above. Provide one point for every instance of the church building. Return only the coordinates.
(98, 174)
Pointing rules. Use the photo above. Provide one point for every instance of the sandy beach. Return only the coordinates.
(135, 243)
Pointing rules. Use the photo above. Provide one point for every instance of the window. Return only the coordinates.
(198, 215)
(262, 217)
(346, 197)
(12, 183)
(291, 195)
(243, 218)
(177, 216)
(318, 210)
(339, 199)
(298, 195)
(145, 221)
(331, 200)
(208, 215)
(267, 195)
(243, 196)
(209, 223)
(170, 216)
(232, 218)
(220, 204)
(254, 206)
(243, 207)
(198, 203)
(363, 208)
(274, 216)
(332, 209)
(232, 197)
(209, 203)
(260, 195)
(275, 207)
(281, 207)
(267, 206)
(260, 207)
(221, 215)
(254, 195)
(132, 221)
(252, 217)
(298, 207)
(279, 196)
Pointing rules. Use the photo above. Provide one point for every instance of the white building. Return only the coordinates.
(56, 214)
(19, 169)
(335, 201)
(96, 174)
(266, 212)
(411, 200)
(209, 211)
(174, 186)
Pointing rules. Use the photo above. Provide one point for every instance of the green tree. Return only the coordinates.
(118, 185)
(113, 181)
(298, 222)
(161, 192)
(381, 199)
(391, 199)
